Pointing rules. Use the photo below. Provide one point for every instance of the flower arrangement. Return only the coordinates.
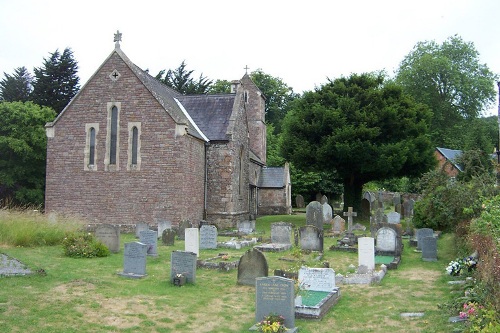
(454, 268)
(470, 310)
(458, 266)
(272, 323)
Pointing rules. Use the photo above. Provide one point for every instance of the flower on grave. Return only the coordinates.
(225, 257)
(470, 263)
(179, 275)
(470, 310)
(454, 268)
(272, 323)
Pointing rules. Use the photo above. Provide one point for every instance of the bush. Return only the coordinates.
(84, 245)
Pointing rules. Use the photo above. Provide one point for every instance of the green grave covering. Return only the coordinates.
(313, 297)
(386, 260)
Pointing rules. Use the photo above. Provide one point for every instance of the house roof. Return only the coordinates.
(210, 112)
(451, 155)
(272, 177)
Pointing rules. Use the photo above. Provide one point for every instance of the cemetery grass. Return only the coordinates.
(87, 295)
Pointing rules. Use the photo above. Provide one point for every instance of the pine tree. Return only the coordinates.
(56, 82)
(17, 87)
(180, 80)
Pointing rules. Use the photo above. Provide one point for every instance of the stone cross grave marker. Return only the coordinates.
(338, 225)
(109, 235)
(429, 248)
(349, 215)
(168, 237)
(311, 238)
(366, 252)
(208, 237)
(134, 260)
(150, 238)
(317, 279)
(314, 214)
(275, 295)
(192, 240)
(182, 262)
(421, 233)
(252, 264)
(140, 227)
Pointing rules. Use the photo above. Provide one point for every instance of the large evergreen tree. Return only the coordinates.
(56, 82)
(450, 79)
(16, 87)
(23, 152)
(361, 127)
(180, 79)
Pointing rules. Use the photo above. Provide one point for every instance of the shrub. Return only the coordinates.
(83, 245)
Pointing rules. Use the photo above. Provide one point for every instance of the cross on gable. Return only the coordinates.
(246, 69)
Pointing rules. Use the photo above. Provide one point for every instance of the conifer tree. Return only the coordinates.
(16, 87)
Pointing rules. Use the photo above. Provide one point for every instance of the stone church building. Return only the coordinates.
(129, 149)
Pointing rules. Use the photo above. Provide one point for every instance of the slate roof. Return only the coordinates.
(272, 177)
(210, 112)
(451, 155)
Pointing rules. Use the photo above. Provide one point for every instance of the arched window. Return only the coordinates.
(92, 146)
(114, 135)
(135, 141)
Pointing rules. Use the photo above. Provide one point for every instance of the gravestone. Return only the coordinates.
(338, 225)
(299, 201)
(182, 262)
(162, 225)
(168, 237)
(327, 213)
(208, 237)
(109, 235)
(408, 207)
(311, 238)
(422, 233)
(317, 279)
(323, 200)
(396, 199)
(192, 240)
(134, 260)
(281, 233)
(394, 218)
(314, 214)
(275, 295)
(252, 264)
(429, 248)
(181, 229)
(365, 208)
(150, 238)
(349, 215)
(366, 253)
(246, 227)
(386, 240)
(140, 227)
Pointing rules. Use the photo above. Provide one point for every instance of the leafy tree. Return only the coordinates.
(17, 87)
(450, 79)
(180, 80)
(360, 127)
(56, 82)
(220, 87)
(23, 152)
(278, 97)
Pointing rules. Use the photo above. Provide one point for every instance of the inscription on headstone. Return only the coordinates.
(386, 240)
(275, 295)
(134, 260)
(318, 279)
(208, 237)
(184, 263)
(150, 238)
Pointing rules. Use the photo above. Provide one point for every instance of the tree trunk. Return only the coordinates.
(353, 193)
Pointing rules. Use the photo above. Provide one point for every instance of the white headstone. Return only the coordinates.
(327, 213)
(192, 240)
(386, 240)
(317, 279)
(366, 252)
(394, 217)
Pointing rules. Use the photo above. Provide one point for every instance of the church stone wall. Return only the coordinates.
(169, 184)
(273, 202)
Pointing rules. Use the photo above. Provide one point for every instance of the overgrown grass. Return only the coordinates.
(30, 228)
(86, 295)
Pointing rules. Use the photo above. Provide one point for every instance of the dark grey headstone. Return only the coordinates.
(208, 237)
(275, 295)
(252, 264)
(314, 214)
(365, 208)
(182, 262)
(109, 235)
(311, 238)
(140, 227)
(429, 248)
(168, 237)
(134, 260)
(422, 233)
(299, 201)
(150, 237)
(281, 233)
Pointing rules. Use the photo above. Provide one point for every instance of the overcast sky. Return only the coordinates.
(301, 42)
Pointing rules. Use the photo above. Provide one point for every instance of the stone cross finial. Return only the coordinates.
(118, 38)
(349, 215)
(246, 69)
